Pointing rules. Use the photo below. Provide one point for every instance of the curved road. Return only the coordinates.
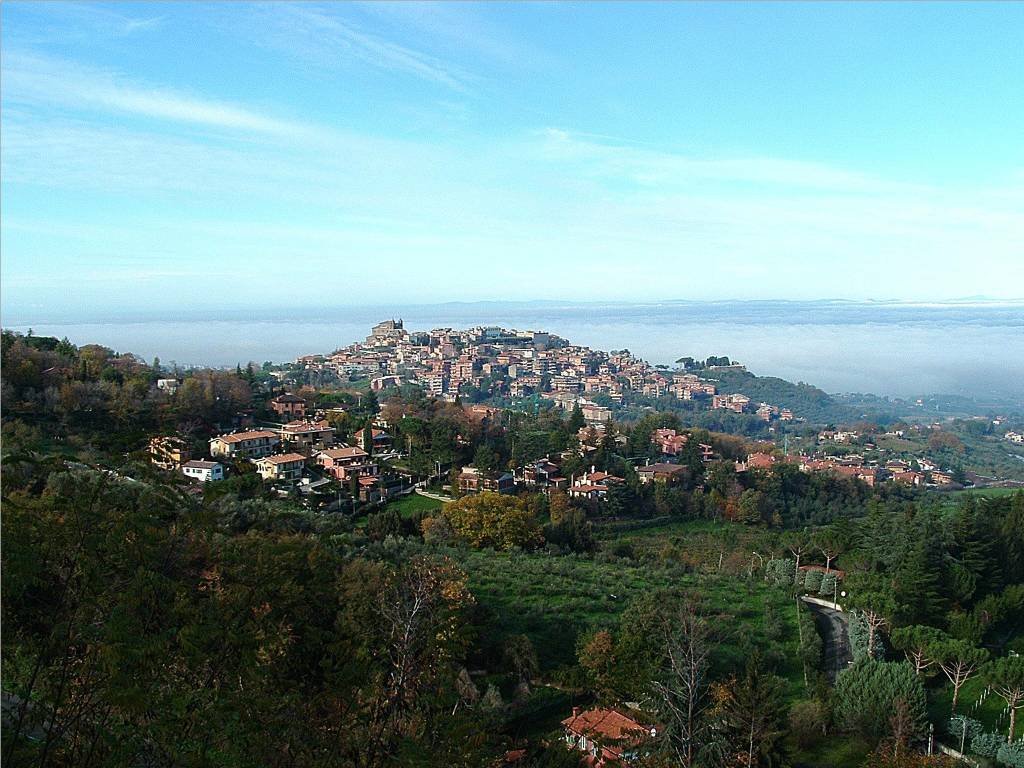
(835, 640)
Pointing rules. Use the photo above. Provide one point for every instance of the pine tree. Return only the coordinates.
(752, 714)
(918, 585)
(576, 420)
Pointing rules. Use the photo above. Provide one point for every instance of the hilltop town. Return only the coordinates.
(497, 363)
(490, 370)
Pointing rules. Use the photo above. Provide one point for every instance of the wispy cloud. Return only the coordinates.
(320, 34)
(603, 156)
(65, 21)
(457, 26)
(35, 80)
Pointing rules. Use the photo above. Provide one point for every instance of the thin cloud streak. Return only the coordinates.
(653, 168)
(37, 80)
(319, 34)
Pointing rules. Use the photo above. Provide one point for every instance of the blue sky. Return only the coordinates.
(174, 155)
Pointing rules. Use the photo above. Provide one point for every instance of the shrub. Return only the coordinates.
(436, 530)
(959, 723)
(812, 581)
(828, 585)
(987, 744)
(773, 627)
(807, 721)
(810, 640)
(865, 696)
(779, 571)
(858, 633)
(1011, 755)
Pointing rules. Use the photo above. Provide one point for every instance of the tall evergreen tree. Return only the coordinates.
(752, 714)
(576, 420)
(368, 437)
(918, 590)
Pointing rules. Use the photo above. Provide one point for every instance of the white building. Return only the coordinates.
(203, 471)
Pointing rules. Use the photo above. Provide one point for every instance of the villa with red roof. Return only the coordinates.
(606, 736)
(245, 445)
(343, 462)
(284, 466)
(289, 405)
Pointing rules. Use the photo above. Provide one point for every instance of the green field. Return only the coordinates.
(555, 599)
(407, 506)
(983, 492)
(704, 546)
(987, 712)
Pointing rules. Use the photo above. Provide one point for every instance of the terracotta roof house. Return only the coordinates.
(341, 463)
(308, 435)
(661, 473)
(756, 461)
(473, 480)
(284, 466)
(606, 736)
(289, 405)
(246, 445)
(669, 441)
(381, 439)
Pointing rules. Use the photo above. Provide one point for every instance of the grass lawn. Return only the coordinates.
(409, 505)
(987, 712)
(983, 492)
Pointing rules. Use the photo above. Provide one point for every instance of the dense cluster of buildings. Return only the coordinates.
(518, 364)
(919, 473)
(512, 364)
(545, 474)
(283, 453)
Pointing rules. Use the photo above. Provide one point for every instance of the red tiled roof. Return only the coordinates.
(346, 452)
(284, 458)
(288, 398)
(238, 437)
(306, 426)
(608, 724)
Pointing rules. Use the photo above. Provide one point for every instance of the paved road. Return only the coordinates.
(832, 626)
(430, 495)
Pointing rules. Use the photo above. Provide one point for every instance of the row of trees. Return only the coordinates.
(92, 396)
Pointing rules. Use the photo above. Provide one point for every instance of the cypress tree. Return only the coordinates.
(368, 437)
(918, 585)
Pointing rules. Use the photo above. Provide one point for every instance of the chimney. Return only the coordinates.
(575, 712)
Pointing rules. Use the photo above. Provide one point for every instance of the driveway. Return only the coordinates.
(835, 640)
